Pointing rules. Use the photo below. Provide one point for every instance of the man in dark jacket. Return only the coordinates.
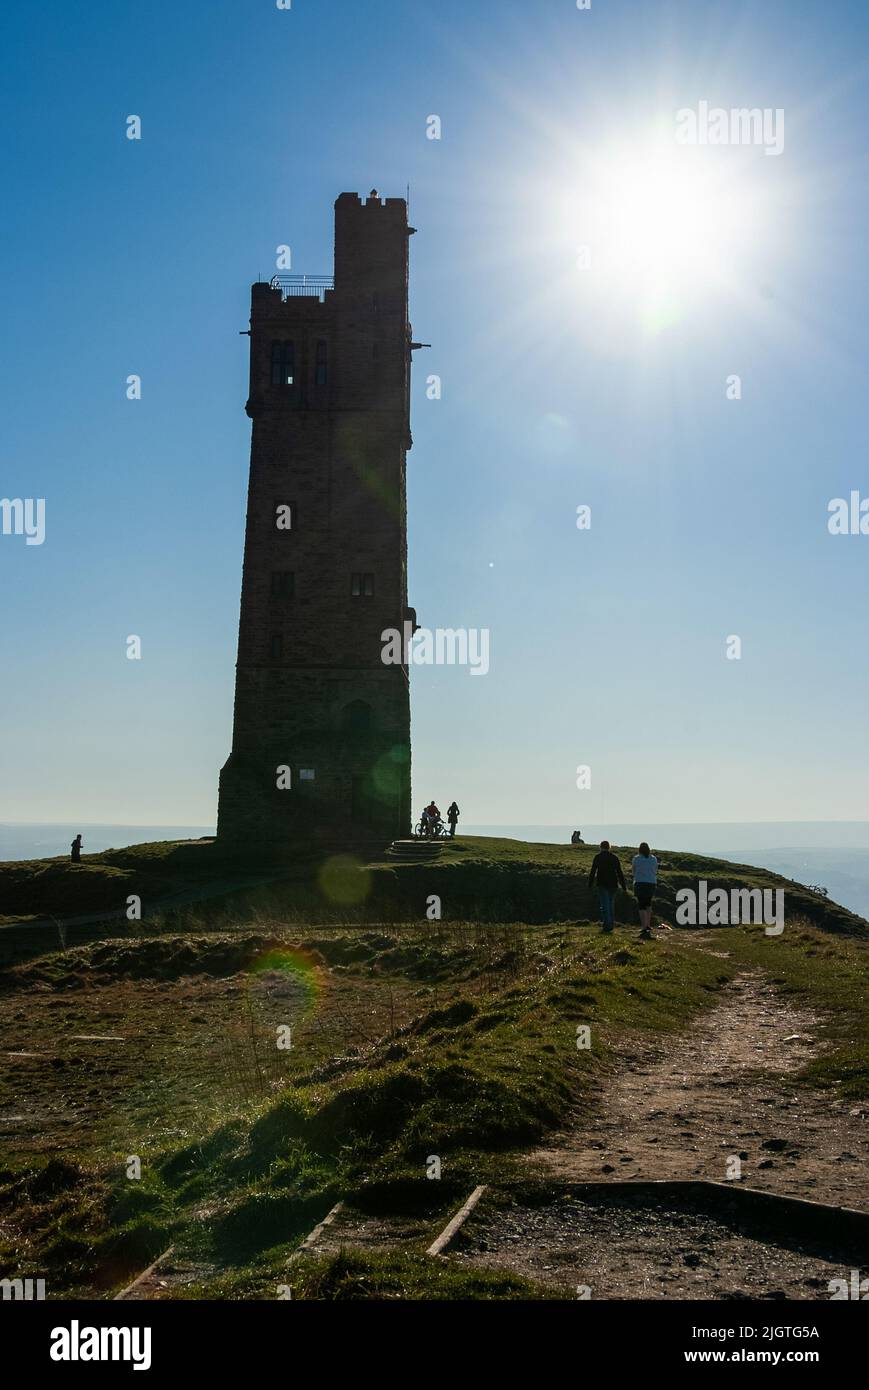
(606, 872)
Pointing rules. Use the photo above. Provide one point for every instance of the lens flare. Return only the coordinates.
(344, 880)
(296, 966)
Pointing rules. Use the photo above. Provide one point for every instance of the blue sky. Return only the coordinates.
(709, 515)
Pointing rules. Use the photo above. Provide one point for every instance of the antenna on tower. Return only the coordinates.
(408, 200)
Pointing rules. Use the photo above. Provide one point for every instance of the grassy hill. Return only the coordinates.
(410, 1038)
(493, 879)
(476, 878)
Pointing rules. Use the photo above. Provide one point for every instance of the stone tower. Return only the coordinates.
(325, 554)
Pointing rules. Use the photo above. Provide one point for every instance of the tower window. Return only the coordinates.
(362, 585)
(283, 584)
(276, 647)
(283, 363)
(321, 368)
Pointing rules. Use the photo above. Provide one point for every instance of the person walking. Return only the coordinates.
(453, 814)
(644, 867)
(75, 850)
(606, 873)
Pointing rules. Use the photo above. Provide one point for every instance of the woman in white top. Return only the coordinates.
(645, 870)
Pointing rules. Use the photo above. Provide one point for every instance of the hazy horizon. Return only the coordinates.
(505, 825)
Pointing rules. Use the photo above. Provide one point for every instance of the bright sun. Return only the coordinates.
(664, 222)
(662, 229)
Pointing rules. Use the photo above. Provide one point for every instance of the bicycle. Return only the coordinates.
(428, 830)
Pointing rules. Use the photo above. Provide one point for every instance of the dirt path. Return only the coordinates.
(630, 1246)
(677, 1107)
(681, 1107)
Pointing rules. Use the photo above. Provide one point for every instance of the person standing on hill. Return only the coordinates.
(75, 850)
(606, 873)
(645, 870)
(453, 814)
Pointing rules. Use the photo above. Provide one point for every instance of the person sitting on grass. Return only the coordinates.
(606, 872)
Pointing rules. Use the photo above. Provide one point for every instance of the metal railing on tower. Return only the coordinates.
(313, 286)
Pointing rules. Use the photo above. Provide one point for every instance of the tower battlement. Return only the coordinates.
(371, 202)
